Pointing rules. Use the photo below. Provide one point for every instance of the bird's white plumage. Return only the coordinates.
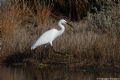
(50, 35)
(45, 38)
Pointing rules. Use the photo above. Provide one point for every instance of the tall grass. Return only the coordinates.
(17, 24)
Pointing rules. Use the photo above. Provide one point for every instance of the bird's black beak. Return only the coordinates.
(69, 25)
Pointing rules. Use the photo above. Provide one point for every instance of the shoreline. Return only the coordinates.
(69, 67)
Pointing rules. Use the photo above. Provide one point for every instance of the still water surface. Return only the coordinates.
(26, 73)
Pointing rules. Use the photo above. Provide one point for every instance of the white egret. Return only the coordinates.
(50, 35)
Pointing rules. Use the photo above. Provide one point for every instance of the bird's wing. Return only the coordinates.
(45, 38)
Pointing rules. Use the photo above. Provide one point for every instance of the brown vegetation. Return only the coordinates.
(94, 41)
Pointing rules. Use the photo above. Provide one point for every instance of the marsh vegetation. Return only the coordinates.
(94, 42)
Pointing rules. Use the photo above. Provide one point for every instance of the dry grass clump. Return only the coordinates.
(107, 27)
(43, 12)
(17, 24)
(40, 9)
(11, 16)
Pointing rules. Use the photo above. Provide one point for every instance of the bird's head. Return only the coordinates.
(63, 22)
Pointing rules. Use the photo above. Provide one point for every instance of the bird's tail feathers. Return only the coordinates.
(33, 47)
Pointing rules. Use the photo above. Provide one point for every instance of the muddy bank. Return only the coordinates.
(60, 65)
(46, 62)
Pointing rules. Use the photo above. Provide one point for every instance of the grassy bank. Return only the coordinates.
(93, 42)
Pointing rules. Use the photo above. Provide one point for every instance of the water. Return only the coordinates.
(27, 73)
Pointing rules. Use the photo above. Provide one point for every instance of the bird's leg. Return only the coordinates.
(42, 54)
(45, 53)
(48, 50)
(34, 55)
(45, 46)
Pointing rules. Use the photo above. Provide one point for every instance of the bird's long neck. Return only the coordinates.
(62, 28)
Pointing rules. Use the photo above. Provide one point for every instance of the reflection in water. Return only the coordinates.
(10, 73)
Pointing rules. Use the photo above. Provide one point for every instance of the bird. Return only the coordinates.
(49, 36)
